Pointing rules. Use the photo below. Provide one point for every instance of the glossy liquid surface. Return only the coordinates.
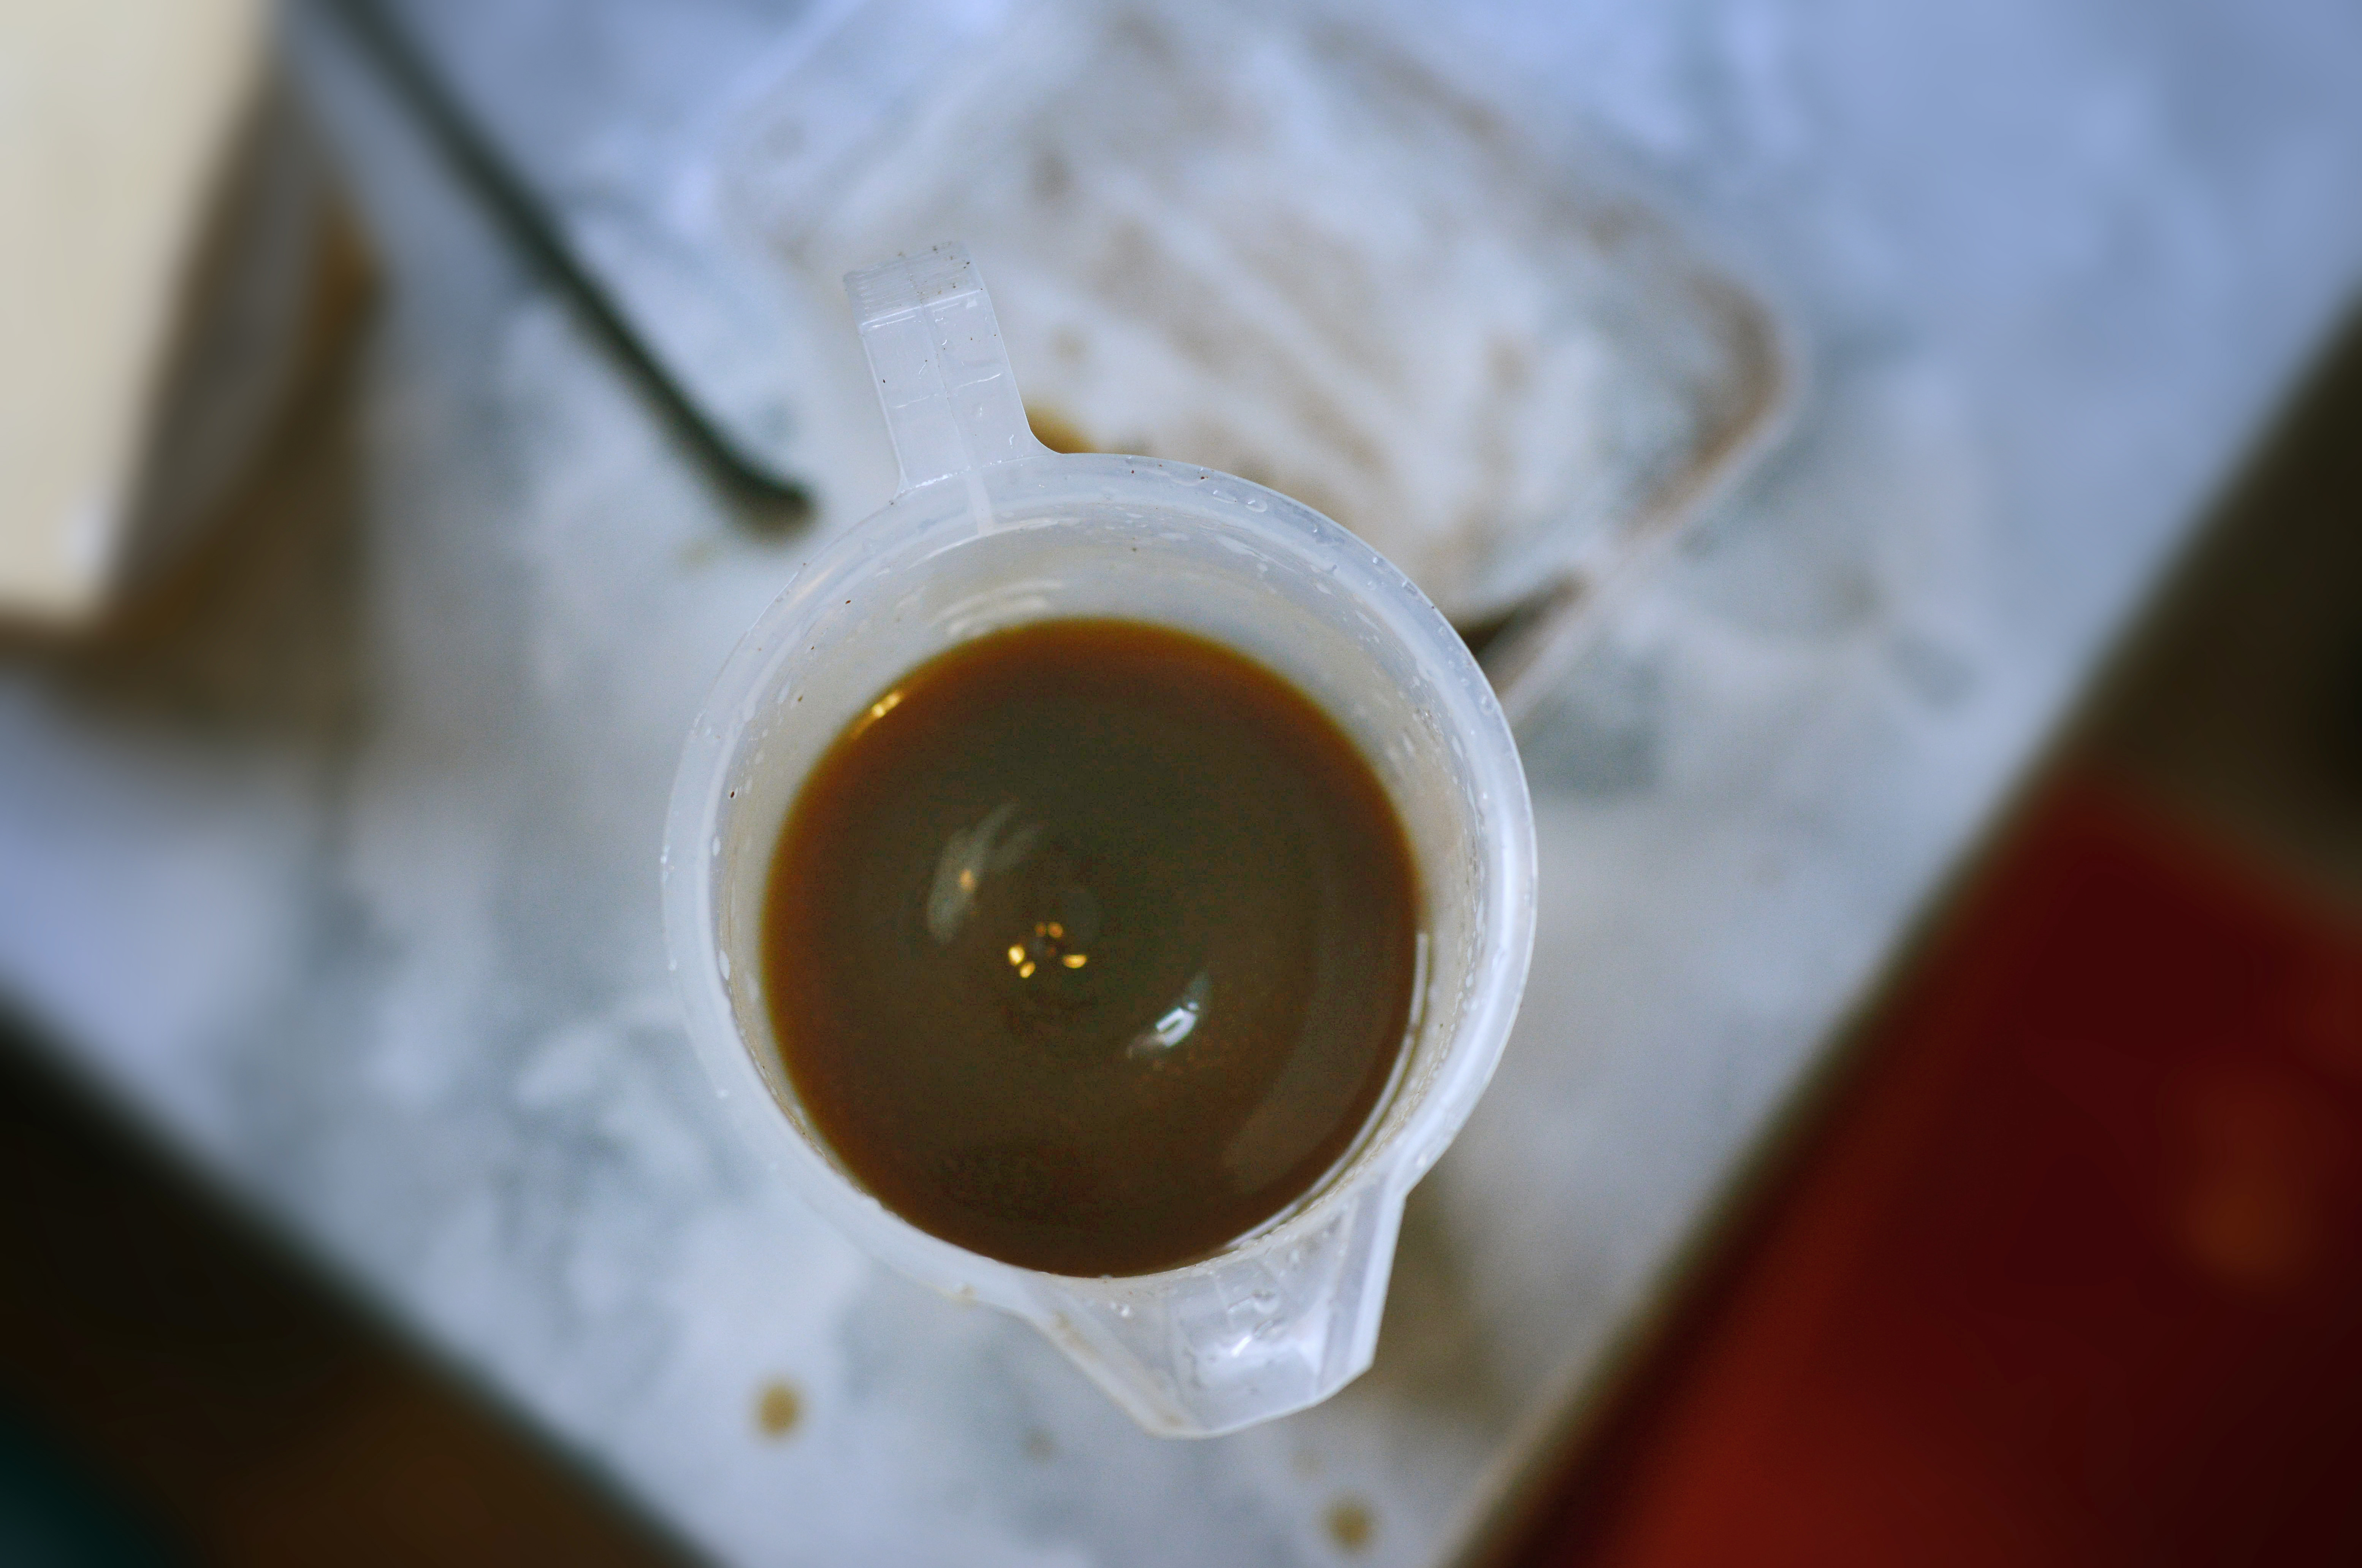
(1091, 946)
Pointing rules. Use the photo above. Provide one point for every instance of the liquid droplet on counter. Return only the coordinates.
(1351, 1524)
(778, 1408)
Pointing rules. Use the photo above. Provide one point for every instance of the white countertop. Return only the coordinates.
(353, 893)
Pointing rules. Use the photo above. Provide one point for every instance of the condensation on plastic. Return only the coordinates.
(991, 529)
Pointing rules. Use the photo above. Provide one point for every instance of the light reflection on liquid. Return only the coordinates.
(1000, 842)
(969, 855)
(1175, 1025)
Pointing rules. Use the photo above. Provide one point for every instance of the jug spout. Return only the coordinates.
(1258, 1331)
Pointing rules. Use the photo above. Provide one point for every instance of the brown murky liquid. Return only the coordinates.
(1091, 946)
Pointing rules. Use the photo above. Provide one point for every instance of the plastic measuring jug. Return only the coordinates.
(989, 529)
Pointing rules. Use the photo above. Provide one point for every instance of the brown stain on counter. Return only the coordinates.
(1055, 431)
(1351, 1524)
(778, 1409)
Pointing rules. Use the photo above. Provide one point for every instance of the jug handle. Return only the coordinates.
(942, 374)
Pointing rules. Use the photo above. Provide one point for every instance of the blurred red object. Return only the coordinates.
(2072, 1273)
